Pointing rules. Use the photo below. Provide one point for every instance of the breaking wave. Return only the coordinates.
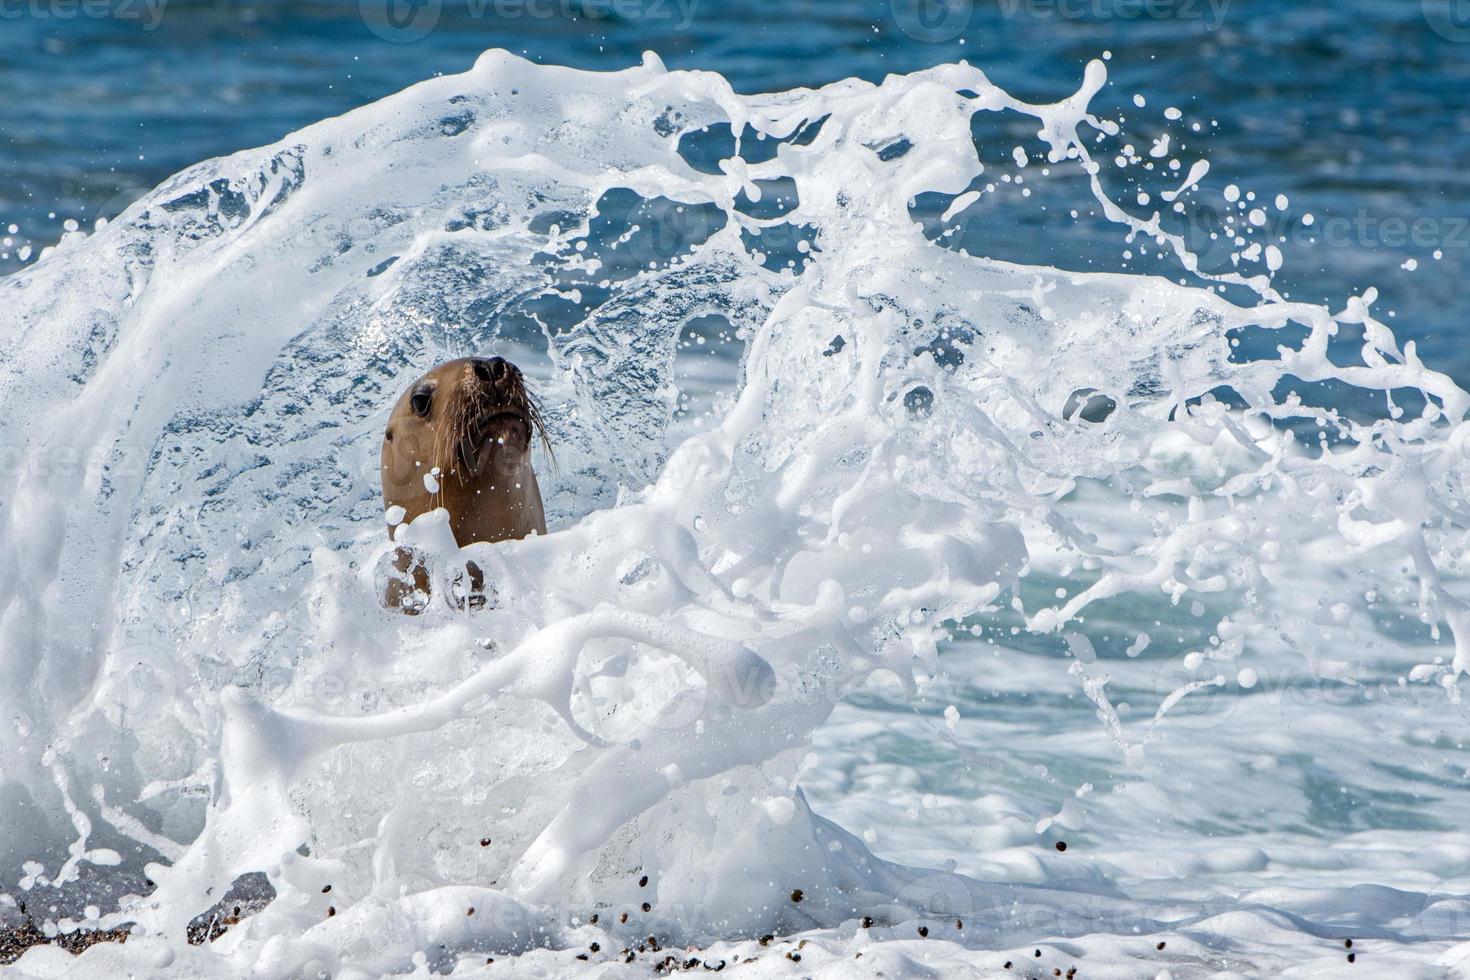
(801, 443)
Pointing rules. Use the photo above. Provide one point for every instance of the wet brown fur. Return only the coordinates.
(478, 432)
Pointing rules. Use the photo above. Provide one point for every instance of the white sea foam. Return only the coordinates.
(200, 675)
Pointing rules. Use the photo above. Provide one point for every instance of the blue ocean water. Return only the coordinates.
(1356, 110)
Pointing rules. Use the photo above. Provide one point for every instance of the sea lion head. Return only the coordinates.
(460, 438)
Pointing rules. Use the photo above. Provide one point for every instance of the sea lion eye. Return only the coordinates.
(421, 401)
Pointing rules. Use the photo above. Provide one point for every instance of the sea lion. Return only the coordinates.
(460, 438)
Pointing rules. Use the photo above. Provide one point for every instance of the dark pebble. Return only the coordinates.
(867, 922)
(796, 895)
(766, 940)
(325, 889)
(924, 931)
(1008, 964)
(1161, 945)
(595, 947)
(646, 907)
(622, 916)
(643, 882)
(331, 911)
(794, 957)
(484, 842)
(470, 910)
(1352, 957)
(1347, 943)
(594, 918)
(1061, 845)
(959, 923)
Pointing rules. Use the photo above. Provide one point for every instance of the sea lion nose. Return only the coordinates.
(490, 370)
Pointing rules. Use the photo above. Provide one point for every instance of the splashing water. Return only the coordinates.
(203, 685)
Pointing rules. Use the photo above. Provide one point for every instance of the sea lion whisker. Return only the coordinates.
(538, 423)
(461, 431)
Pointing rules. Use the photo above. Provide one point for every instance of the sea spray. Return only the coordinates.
(204, 684)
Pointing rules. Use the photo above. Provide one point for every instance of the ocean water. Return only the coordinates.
(1355, 110)
(948, 533)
